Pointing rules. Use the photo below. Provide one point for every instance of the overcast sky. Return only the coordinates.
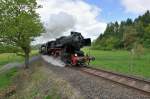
(89, 17)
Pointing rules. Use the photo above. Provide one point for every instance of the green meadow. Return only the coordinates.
(122, 61)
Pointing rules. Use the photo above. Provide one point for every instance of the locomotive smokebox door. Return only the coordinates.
(87, 42)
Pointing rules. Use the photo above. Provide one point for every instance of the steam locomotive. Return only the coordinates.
(68, 48)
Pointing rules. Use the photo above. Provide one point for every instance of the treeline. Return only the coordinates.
(126, 35)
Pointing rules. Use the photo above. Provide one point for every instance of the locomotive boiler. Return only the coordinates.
(68, 48)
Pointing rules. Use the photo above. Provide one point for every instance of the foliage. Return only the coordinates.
(125, 34)
(139, 50)
(19, 24)
(146, 37)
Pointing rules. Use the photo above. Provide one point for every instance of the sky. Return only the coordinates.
(112, 10)
(90, 17)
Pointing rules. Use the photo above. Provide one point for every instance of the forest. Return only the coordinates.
(126, 35)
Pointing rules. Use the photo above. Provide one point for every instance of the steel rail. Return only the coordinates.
(139, 84)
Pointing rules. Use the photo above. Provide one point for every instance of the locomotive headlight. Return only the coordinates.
(75, 55)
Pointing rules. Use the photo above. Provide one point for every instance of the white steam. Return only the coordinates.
(53, 61)
(58, 24)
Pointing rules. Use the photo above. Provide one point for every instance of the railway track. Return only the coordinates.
(128, 81)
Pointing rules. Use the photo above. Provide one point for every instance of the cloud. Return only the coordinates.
(136, 6)
(62, 16)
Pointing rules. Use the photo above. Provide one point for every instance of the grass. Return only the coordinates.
(6, 78)
(52, 96)
(9, 57)
(12, 57)
(121, 61)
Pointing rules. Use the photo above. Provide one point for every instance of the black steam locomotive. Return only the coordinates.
(68, 49)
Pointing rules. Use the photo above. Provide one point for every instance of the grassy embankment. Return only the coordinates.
(6, 77)
(122, 61)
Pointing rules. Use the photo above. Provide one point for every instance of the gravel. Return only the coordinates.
(39, 82)
(92, 87)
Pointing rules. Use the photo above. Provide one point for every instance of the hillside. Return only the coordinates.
(126, 35)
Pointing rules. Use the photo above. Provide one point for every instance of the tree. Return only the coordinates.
(139, 50)
(129, 37)
(19, 24)
(129, 22)
(146, 37)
